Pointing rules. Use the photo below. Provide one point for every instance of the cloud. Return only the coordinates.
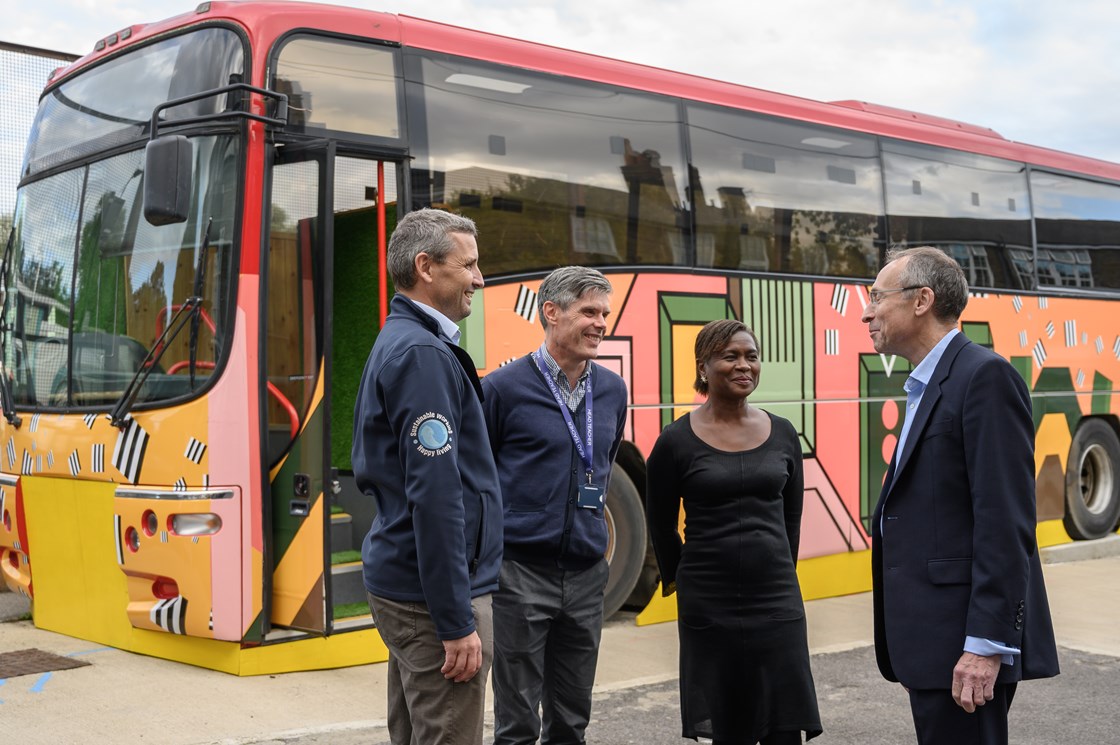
(1035, 72)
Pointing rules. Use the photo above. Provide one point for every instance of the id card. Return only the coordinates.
(590, 497)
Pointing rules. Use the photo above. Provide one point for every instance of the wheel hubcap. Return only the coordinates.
(1097, 479)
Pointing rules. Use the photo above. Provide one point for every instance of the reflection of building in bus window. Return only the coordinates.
(974, 260)
(1065, 267)
(592, 235)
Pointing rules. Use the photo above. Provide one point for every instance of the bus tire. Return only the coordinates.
(626, 540)
(1092, 481)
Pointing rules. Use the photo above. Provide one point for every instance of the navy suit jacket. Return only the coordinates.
(953, 547)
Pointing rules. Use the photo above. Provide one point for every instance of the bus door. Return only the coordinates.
(331, 215)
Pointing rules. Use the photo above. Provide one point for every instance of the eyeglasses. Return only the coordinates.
(876, 296)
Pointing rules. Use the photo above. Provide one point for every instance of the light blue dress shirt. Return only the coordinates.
(449, 328)
(915, 387)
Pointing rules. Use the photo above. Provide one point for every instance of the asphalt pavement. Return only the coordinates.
(122, 697)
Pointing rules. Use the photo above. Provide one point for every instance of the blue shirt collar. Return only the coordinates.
(924, 371)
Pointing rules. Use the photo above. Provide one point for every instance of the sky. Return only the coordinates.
(1042, 72)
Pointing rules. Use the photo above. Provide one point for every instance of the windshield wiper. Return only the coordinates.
(7, 403)
(189, 311)
(199, 283)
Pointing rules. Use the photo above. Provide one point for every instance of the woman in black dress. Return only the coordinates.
(745, 674)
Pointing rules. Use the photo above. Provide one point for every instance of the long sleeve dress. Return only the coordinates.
(744, 656)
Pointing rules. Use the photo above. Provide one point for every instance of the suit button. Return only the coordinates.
(1018, 625)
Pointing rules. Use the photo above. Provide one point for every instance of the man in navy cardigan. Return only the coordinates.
(960, 606)
(556, 421)
(431, 558)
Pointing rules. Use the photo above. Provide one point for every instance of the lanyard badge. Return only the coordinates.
(589, 496)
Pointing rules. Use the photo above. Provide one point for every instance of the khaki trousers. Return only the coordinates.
(424, 707)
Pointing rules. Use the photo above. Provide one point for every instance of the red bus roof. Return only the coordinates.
(266, 21)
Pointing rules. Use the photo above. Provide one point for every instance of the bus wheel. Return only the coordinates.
(626, 540)
(1093, 481)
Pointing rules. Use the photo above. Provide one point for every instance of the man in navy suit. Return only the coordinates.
(960, 607)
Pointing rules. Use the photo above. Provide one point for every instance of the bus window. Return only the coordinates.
(294, 341)
(40, 290)
(327, 78)
(553, 171)
(771, 195)
(975, 208)
(1078, 226)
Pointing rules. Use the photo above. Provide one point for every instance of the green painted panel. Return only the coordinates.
(1102, 401)
(876, 382)
(781, 314)
(675, 310)
(979, 333)
(1053, 380)
(474, 330)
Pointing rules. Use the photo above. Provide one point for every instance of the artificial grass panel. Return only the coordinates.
(356, 317)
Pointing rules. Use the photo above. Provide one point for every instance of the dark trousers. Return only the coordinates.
(425, 707)
(547, 626)
(939, 721)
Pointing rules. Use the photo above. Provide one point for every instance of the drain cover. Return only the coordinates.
(31, 661)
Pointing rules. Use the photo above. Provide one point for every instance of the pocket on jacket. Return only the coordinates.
(949, 571)
(939, 427)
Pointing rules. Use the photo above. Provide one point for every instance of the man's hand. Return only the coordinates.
(974, 680)
(463, 658)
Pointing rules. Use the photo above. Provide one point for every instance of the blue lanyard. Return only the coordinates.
(584, 452)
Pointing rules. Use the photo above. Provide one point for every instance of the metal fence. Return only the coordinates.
(23, 75)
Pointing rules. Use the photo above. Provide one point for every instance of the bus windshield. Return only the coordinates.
(91, 284)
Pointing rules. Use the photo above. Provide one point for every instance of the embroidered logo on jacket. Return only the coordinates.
(431, 434)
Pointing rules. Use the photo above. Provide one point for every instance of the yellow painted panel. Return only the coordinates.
(1051, 533)
(821, 577)
(839, 574)
(659, 610)
(300, 569)
(1053, 438)
(340, 650)
(79, 588)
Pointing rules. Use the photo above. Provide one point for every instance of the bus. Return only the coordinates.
(196, 273)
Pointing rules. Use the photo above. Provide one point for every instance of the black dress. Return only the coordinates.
(744, 654)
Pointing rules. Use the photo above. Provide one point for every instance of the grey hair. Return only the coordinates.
(568, 284)
(423, 231)
(933, 268)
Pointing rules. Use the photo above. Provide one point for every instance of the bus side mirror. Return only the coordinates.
(167, 179)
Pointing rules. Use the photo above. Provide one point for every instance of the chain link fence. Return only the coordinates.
(23, 75)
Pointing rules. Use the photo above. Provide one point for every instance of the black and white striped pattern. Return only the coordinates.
(526, 306)
(97, 458)
(506, 362)
(832, 342)
(128, 454)
(28, 463)
(163, 536)
(120, 539)
(1099, 344)
(89, 419)
(74, 462)
(840, 297)
(180, 485)
(1050, 329)
(1043, 303)
(195, 450)
(1022, 339)
(34, 423)
(1080, 378)
(1071, 333)
(3, 498)
(1116, 347)
(1039, 353)
(11, 453)
(1017, 302)
(170, 614)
